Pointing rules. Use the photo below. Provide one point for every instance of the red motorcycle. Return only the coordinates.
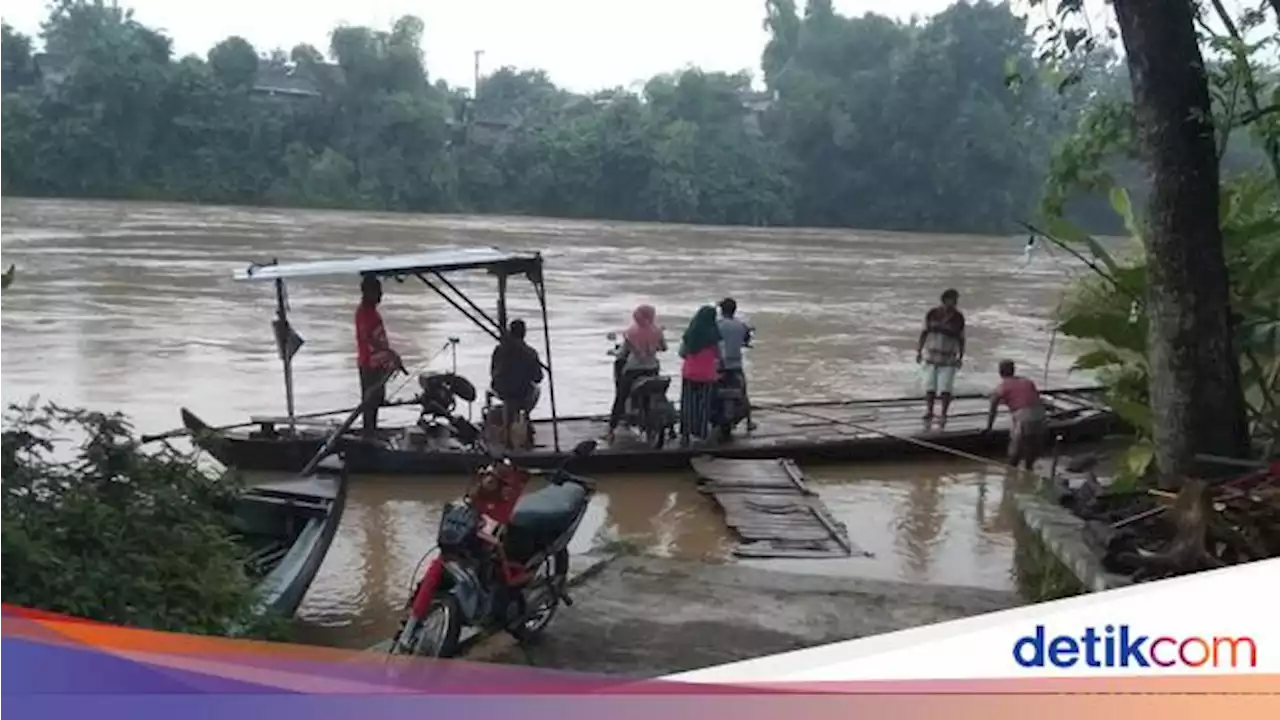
(503, 559)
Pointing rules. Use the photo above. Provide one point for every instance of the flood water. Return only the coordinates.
(132, 306)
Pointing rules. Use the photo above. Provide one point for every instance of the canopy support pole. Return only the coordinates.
(502, 304)
(540, 288)
(456, 306)
(286, 357)
(470, 303)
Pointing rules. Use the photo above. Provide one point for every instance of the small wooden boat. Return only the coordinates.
(289, 525)
(811, 432)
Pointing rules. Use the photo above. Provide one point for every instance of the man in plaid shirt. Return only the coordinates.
(941, 351)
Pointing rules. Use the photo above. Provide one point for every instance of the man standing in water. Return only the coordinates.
(734, 335)
(941, 349)
(1027, 431)
(374, 356)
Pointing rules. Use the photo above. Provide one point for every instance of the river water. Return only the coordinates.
(132, 306)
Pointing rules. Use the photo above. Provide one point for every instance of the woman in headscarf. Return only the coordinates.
(637, 357)
(700, 348)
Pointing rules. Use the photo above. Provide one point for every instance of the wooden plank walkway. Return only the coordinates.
(772, 509)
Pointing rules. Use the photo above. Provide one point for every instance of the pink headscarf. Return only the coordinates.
(645, 337)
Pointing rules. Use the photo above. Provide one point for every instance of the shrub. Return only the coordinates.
(97, 527)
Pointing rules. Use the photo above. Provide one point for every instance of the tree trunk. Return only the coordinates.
(1196, 398)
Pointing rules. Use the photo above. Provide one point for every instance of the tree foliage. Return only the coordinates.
(1108, 307)
(865, 121)
(95, 527)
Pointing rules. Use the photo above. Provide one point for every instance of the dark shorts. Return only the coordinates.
(1027, 435)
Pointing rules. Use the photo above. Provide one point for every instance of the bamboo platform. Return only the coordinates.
(772, 509)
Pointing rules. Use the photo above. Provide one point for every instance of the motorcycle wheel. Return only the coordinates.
(437, 634)
(655, 436)
(545, 600)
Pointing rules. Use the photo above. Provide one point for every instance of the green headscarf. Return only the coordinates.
(703, 332)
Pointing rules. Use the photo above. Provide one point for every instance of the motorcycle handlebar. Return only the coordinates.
(556, 475)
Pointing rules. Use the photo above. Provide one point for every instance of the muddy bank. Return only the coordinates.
(647, 617)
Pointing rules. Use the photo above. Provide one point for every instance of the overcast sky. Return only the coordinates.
(583, 44)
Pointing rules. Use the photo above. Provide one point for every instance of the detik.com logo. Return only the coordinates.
(1119, 646)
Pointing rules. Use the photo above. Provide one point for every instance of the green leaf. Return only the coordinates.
(1135, 413)
(1124, 208)
(1096, 359)
(1138, 458)
(1066, 231)
(1109, 328)
(1132, 280)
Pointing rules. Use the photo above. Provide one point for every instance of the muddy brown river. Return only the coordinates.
(132, 306)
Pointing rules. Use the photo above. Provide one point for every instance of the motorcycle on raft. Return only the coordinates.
(647, 408)
(503, 559)
(731, 402)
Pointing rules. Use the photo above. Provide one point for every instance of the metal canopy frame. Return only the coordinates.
(431, 268)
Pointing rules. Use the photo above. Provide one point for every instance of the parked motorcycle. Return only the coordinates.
(647, 408)
(503, 559)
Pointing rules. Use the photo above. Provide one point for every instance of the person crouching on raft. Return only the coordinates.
(1028, 430)
(700, 348)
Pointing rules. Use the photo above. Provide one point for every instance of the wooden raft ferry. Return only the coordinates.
(812, 432)
(818, 431)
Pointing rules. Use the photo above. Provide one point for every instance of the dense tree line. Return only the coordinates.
(866, 122)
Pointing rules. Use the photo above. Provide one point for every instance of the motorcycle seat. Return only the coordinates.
(651, 385)
(548, 510)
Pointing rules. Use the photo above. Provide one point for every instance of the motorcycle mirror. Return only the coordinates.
(584, 448)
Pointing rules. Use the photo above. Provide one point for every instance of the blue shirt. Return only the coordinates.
(733, 335)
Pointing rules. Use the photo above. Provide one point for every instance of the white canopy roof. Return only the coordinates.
(439, 260)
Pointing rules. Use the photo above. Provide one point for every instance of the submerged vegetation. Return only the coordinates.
(96, 527)
(863, 121)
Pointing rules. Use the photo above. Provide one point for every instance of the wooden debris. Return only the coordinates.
(1154, 534)
(772, 509)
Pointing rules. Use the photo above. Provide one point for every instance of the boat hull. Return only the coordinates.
(896, 432)
(293, 521)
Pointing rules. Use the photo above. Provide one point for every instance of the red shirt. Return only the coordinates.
(1017, 393)
(371, 338)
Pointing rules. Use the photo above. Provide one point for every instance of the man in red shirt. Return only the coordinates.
(1020, 395)
(374, 356)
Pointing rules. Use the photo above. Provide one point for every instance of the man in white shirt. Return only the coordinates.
(735, 334)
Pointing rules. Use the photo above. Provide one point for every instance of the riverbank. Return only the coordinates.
(647, 617)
